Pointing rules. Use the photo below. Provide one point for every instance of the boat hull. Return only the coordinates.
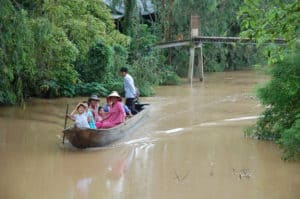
(85, 137)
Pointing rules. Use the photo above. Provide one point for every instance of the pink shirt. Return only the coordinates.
(116, 114)
(97, 117)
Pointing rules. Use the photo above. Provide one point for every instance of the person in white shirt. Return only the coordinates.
(130, 90)
(79, 115)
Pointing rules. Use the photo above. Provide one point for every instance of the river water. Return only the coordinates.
(191, 146)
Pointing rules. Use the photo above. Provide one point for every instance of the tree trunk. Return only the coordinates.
(129, 17)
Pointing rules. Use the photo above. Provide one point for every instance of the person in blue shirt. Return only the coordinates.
(90, 115)
(130, 90)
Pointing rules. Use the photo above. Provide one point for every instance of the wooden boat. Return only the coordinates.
(85, 137)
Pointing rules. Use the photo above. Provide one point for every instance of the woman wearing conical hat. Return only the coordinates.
(116, 114)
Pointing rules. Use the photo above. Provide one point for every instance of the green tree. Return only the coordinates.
(281, 118)
(89, 25)
(17, 67)
(146, 64)
(99, 63)
(84, 22)
(131, 17)
(56, 75)
(45, 44)
(263, 21)
(217, 18)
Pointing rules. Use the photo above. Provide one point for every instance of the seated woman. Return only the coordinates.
(93, 102)
(116, 114)
(105, 109)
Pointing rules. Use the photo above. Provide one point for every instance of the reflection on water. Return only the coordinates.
(191, 146)
(174, 130)
(241, 118)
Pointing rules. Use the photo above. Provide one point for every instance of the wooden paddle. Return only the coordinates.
(66, 119)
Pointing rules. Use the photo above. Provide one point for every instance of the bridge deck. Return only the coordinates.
(203, 39)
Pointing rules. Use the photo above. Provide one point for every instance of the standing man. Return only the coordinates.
(130, 91)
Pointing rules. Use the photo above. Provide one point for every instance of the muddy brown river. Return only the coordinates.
(191, 146)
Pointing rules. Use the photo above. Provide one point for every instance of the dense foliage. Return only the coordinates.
(55, 73)
(68, 48)
(16, 62)
(264, 21)
(62, 48)
(146, 64)
(217, 18)
(281, 118)
(99, 58)
(49, 48)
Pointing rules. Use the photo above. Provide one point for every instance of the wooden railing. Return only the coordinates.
(204, 39)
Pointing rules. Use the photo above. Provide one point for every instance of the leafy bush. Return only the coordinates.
(146, 89)
(17, 65)
(86, 23)
(115, 85)
(290, 140)
(266, 20)
(146, 73)
(56, 75)
(98, 64)
(119, 59)
(169, 77)
(86, 89)
(280, 120)
(145, 61)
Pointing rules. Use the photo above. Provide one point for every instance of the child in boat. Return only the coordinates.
(90, 116)
(116, 114)
(79, 115)
(101, 112)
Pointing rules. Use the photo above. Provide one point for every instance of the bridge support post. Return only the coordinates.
(191, 63)
(200, 63)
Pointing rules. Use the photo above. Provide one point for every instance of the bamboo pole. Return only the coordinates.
(66, 119)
